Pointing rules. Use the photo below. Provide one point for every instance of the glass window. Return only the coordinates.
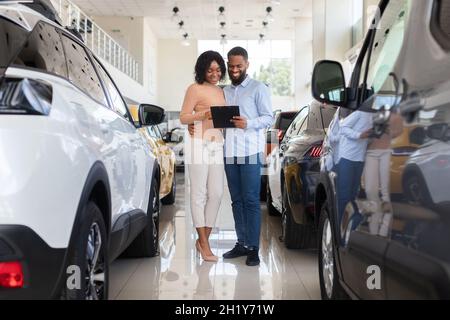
(327, 114)
(314, 121)
(118, 104)
(81, 71)
(270, 63)
(286, 120)
(297, 123)
(12, 38)
(303, 126)
(387, 44)
(43, 50)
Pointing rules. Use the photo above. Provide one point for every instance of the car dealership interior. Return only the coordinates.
(224, 149)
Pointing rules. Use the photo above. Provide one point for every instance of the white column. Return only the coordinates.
(332, 29)
(303, 53)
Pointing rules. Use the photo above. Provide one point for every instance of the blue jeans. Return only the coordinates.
(349, 175)
(244, 183)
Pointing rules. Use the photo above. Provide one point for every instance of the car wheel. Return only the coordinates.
(270, 208)
(87, 268)
(416, 190)
(330, 286)
(146, 243)
(295, 236)
(170, 198)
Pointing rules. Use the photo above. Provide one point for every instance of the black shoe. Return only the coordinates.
(252, 258)
(238, 251)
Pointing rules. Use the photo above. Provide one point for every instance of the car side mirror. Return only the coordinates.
(328, 83)
(150, 115)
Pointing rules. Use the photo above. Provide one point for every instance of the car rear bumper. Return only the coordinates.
(43, 266)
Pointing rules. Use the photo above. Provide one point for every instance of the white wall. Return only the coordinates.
(128, 87)
(150, 65)
(127, 32)
(332, 25)
(303, 49)
(176, 72)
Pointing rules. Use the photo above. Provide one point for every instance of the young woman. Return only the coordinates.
(204, 155)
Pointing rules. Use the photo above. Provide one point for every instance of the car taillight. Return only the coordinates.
(25, 96)
(315, 151)
(280, 135)
(11, 275)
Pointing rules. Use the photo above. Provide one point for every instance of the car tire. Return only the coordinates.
(270, 208)
(170, 198)
(330, 286)
(146, 243)
(295, 236)
(416, 190)
(88, 252)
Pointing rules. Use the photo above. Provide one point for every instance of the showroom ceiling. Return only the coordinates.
(244, 18)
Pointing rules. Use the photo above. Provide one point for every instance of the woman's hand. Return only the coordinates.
(208, 115)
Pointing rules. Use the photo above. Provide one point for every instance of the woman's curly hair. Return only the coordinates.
(204, 62)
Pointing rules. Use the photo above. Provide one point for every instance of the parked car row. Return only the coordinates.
(79, 182)
(293, 172)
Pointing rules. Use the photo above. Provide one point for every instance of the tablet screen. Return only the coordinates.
(222, 116)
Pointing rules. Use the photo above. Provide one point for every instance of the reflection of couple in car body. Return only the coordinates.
(238, 154)
(362, 154)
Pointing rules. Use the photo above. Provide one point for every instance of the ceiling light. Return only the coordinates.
(261, 39)
(222, 25)
(185, 42)
(176, 14)
(265, 25)
(269, 16)
(181, 30)
(223, 41)
(222, 17)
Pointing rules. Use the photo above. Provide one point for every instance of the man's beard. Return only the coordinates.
(238, 81)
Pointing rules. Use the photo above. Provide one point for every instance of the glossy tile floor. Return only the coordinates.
(179, 274)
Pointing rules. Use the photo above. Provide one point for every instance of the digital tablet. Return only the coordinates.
(222, 116)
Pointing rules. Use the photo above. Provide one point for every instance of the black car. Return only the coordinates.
(294, 170)
(274, 135)
(376, 243)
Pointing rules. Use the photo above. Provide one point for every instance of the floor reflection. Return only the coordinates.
(178, 273)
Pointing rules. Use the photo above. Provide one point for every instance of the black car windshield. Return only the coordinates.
(12, 39)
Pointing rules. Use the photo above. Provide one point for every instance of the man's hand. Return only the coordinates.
(191, 129)
(239, 122)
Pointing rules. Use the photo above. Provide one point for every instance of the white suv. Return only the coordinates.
(77, 185)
